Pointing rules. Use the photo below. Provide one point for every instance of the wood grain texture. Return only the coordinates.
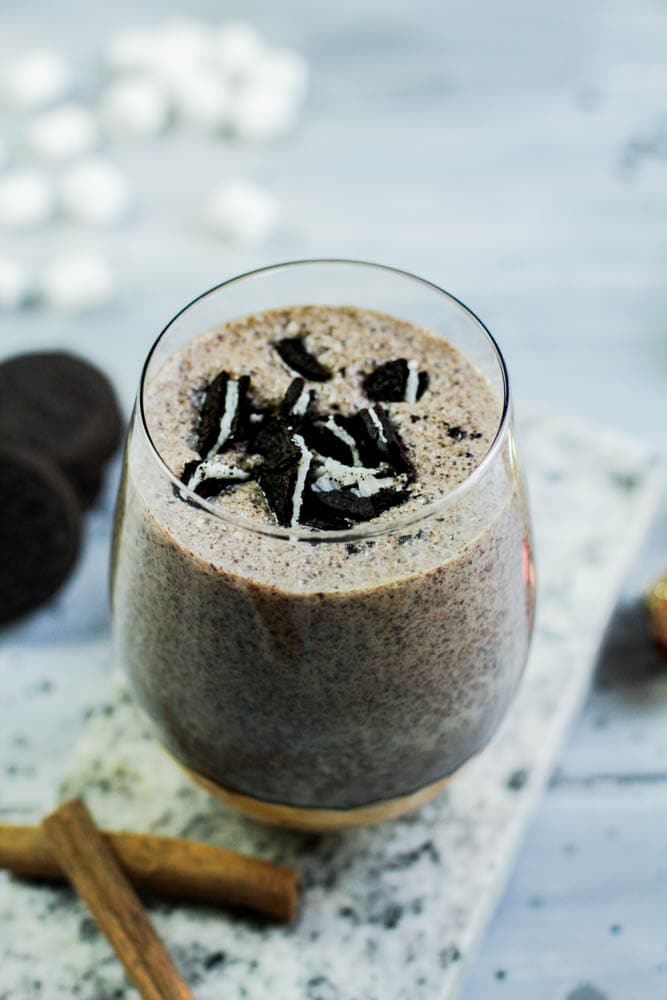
(94, 872)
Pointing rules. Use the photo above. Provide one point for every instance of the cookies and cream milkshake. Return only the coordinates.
(322, 590)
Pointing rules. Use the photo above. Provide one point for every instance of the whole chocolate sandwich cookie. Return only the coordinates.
(64, 408)
(40, 531)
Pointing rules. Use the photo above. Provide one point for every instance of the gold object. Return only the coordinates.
(319, 820)
(657, 607)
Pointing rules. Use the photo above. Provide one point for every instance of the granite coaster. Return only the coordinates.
(392, 912)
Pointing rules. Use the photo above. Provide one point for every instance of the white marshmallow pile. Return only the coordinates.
(226, 79)
(223, 80)
(92, 190)
(70, 283)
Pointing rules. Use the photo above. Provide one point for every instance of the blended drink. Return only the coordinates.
(318, 608)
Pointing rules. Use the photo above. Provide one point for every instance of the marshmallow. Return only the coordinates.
(181, 41)
(95, 191)
(26, 199)
(260, 115)
(282, 70)
(76, 282)
(134, 106)
(241, 212)
(202, 99)
(35, 79)
(13, 284)
(167, 53)
(132, 49)
(67, 131)
(267, 105)
(237, 49)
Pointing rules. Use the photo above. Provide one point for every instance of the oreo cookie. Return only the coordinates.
(327, 470)
(387, 499)
(274, 434)
(40, 531)
(380, 442)
(66, 410)
(224, 414)
(334, 437)
(285, 474)
(211, 477)
(397, 381)
(294, 353)
(296, 402)
(335, 510)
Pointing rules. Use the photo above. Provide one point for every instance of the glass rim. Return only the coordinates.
(302, 532)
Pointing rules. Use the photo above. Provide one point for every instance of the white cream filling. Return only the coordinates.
(227, 419)
(412, 384)
(301, 475)
(215, 469)
(343, 436)
(378, 423)
(333, 475)
(301, 405)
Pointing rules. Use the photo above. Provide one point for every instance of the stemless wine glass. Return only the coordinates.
(303, 696)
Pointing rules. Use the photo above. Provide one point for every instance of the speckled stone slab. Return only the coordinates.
(390, 913)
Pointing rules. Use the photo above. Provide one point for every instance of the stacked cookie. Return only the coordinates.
(59, 425)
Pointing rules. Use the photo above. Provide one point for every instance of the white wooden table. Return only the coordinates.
(517, 154)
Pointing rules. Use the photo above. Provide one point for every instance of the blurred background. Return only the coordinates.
(519, 158)
(516, 154)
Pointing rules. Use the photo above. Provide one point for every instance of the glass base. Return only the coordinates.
(319, 820)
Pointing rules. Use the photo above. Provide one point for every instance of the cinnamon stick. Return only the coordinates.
(170, 866)
(91, 867)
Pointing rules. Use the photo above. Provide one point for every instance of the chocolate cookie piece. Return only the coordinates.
(40, 531)
(332, 510)
(294, 353)
(387, 499)
(224, 414)
(396, 381)
(333, 436)
(64, 408)
(273, 435)
(211, 477)
(296, 402)
(457, 433)
(284, 476)
(380, 442)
